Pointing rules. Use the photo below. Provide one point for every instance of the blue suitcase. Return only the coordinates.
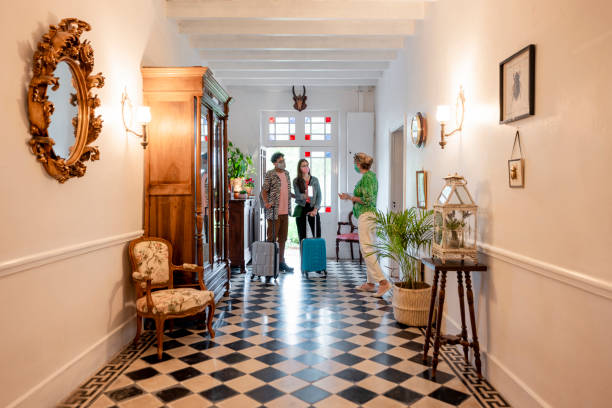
(314, 255)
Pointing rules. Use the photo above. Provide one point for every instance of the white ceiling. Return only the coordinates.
(292, 42)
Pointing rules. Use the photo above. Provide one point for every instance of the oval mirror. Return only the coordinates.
(61, 103)
(64, 121)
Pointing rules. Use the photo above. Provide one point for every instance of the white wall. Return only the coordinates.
(65, 293)
(244, 125)
(544, 306)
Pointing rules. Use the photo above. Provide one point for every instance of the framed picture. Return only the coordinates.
(517, 86)
(421, 189)
(516, 173)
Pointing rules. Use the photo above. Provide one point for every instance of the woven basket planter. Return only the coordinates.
(411, 306)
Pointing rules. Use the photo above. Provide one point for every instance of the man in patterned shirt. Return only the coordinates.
(276, 196)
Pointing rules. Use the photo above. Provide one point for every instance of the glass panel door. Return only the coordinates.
(203, 178)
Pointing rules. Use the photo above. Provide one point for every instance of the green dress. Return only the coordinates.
(366, 189)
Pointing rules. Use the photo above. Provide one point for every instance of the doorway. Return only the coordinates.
(397, 186)
(322, 166)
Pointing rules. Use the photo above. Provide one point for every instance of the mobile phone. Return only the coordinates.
(310, 191)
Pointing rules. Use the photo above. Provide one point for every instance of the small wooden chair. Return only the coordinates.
(351, 237)
(152, 267)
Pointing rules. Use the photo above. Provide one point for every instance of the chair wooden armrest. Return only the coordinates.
(138, 277)
(187, 267)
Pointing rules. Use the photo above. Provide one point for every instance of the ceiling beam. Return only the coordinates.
(296, 9)
(220, 74)
(298, 82)
(299, 65)
(302, 55)
(296, 42)
(281, 27)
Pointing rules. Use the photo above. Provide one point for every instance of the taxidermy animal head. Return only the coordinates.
(300, 100)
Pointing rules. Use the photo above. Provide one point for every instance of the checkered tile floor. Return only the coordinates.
(290, 343)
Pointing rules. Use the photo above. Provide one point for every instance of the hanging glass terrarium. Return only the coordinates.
(454, 221)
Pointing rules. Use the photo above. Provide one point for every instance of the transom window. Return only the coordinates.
(317, 128)
(281, 128)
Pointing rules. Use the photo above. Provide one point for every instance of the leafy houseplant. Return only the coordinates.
(238, 163)
(402, 236)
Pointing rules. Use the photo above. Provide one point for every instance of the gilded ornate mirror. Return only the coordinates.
(60, 103)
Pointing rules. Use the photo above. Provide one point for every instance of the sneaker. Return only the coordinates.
(284, 267)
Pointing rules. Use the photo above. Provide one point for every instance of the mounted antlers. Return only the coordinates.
(300, 100)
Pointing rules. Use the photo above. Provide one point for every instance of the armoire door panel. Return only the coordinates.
(171, 217)
(171, 142)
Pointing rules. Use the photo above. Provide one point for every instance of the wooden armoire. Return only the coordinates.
(185, 175)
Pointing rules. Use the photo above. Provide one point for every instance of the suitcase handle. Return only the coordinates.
(273, 224)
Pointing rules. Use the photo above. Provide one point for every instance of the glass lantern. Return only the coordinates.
(455, 221)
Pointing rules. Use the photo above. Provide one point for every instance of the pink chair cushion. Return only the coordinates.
(348, 237)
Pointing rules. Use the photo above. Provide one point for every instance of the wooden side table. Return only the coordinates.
(461, 267)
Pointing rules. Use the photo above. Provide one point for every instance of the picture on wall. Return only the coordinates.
(517, 86)
(421, 189)
(516, 166)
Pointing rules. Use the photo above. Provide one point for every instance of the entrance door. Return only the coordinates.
(324, 166)
(262, 175)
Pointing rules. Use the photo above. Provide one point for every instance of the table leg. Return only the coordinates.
(432, 304)
(436, 351)
(476, 345)
(464, 336)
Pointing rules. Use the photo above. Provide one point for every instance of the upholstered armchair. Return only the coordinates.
(152, 268)
(351, 237)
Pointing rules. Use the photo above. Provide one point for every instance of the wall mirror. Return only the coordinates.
(61, 105)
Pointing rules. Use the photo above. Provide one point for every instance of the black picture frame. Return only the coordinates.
(530, 110)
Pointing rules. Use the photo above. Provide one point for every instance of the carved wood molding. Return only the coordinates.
(63, 44)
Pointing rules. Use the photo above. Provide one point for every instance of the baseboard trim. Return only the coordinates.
(576, 279)
(42, 258)
(115, 340)
(511, 377)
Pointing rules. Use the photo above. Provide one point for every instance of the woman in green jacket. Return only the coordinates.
(364, 209)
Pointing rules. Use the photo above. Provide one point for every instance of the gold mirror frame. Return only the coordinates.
(62, 43)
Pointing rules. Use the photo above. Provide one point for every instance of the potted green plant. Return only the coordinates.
(243, 194)
(402, 237)
(238, 163)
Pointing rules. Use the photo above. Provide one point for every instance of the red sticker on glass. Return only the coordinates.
(307, 154)
(307, 137)
(328, 119)
(291, 137)
(271, 119)
(327, 209)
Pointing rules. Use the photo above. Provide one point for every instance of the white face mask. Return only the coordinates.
(280, 166)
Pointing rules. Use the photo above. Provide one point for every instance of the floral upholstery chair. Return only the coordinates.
(350, 237)
(152, 268)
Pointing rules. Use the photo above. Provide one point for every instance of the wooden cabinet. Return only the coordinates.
(242, 217)
(186, 194)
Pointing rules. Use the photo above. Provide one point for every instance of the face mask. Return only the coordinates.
(357, 169)
(280, 166)
(305, 170)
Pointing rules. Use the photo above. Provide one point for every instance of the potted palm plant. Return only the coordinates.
(403, 235)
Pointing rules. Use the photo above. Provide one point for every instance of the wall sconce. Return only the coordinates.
(443, 116)
(140, 115)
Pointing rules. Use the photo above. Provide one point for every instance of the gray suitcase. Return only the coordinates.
(265, 258)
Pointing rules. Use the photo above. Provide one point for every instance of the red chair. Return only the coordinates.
(351, 237)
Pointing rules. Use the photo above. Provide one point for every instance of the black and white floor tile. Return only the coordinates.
(290, 343)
